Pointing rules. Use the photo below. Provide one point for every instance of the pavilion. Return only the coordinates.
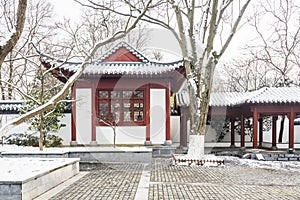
(267, 101)
(121, 88)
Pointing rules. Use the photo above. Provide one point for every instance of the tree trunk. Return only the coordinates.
(41, 139)
(115, 135)
(280, 136)
(196, 146)
(9, 45)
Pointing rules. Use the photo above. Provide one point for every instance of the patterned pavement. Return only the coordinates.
(122, 181)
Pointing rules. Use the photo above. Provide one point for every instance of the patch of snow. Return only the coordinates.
(20, 169)
(260, 164)
(28, 149)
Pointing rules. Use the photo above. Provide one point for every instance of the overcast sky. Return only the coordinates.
(71, 9)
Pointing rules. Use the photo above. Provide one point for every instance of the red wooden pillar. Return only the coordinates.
(168, 113)
(147, 112)
(255, 119)
(232, 139)
(242, 131)
(94, 115)
(274, 130)
(73, 116)
(260, 132)
(291, 130)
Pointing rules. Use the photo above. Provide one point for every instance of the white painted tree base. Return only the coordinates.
(196, 146)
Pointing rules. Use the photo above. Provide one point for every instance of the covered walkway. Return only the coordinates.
(256, 105)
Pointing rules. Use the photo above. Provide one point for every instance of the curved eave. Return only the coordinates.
(60, 73)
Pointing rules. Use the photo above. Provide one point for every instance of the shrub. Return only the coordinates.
(23, 139)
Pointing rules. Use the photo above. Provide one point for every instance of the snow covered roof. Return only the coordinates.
(128, 47)
(14, 106)
(10, 106)
(227, 98)
(261, 96)
(141, 65)
(276, 95)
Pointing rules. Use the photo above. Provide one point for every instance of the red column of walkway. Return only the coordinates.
(242, 131)
(274, 125)
(232, 121)
(260, 132)
(291, 129)
(255, 119)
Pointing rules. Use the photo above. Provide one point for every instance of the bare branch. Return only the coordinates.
(63, 92)
(4, 50)
(20, 92)
(234, 28)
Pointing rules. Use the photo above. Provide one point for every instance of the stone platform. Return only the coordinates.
(27, 178)
(86, 154)
(110, 154)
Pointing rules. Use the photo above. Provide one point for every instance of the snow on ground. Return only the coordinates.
(27, 149)
(230, 160)
(20, 169)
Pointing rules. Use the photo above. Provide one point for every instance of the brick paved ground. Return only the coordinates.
(108, 181)
(228, 182)
(120, 181)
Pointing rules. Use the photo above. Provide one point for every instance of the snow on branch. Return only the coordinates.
(64, 91)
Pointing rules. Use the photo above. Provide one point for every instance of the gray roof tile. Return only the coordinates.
(261, 96)
(145, 67)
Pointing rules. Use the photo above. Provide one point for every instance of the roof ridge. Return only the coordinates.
(133, 50)
(255, 94)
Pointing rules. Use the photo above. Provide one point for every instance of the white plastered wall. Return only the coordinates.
(285, 139)
(83, 115)
(175, 129)
(124, 135)
(157, 116)
(64, 132)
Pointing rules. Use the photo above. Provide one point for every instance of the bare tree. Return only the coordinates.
(279, 47)
(273, 58)
(247, 74)
(95, 25)
(278, 37)
(131, 23)
(14, 21)
(18, 68)
(193, 23)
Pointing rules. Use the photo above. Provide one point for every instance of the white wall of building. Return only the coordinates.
(64, 133)
(175, 129)
(267, 135)
(124, 135)
(157, 116)
(83, 116)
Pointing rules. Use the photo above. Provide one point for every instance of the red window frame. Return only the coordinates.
(129, 106)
